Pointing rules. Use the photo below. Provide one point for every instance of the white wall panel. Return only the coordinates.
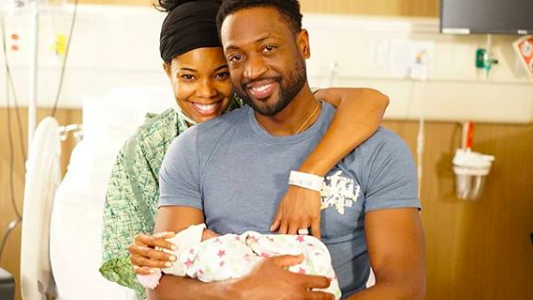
(118, 46)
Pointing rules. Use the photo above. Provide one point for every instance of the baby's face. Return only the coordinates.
(208, 234)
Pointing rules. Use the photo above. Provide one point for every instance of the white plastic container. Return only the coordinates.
(471, 170)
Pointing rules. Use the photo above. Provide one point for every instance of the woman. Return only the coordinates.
(198, 73)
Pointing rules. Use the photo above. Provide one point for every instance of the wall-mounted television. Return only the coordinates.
(486, 16)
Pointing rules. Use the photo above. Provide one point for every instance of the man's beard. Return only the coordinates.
(288, 89)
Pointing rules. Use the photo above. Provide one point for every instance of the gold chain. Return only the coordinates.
(309, 118)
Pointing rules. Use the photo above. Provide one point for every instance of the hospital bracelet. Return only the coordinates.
(305, 180)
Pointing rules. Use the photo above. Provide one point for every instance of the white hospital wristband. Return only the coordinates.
(305, 180)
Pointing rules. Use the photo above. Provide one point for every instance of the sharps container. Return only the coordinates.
(471, 170)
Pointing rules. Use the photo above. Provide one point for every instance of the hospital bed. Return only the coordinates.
(61, 234)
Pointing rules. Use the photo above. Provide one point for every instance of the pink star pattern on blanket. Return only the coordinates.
(188, 263)
(221, 253)
(228, 257)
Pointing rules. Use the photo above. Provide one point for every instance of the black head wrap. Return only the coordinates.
(189, 26)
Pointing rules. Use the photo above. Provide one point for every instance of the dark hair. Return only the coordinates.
(169, 5)
(289, 10)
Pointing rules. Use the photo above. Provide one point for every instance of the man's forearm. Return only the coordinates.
(390, 292)
(183, 288)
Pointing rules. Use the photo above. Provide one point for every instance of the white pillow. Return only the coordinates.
(112, 119)
(76, 225)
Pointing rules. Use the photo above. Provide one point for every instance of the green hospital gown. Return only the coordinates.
(132, 197)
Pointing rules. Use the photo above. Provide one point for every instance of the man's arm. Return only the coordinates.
(397, 255)
(269, 280)
(183, 288)
(393, 230)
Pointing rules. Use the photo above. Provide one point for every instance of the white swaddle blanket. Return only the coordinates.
(233, 256)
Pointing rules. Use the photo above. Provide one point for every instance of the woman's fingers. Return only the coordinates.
(143, 262)
(151, 253)
(277, 221)
(299, 209)
(315, 227)
(155, 240)
(284, 227)
(294, 226)
(143, 270)
(165, 234)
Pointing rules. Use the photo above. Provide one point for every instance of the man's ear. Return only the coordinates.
(168, 69)
(302, 39)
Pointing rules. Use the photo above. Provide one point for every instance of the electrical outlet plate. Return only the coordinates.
(403, 58)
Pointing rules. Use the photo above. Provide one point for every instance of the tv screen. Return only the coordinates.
(487, 16)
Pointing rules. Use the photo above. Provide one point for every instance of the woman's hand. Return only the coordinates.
(299, 209)
(143, 255)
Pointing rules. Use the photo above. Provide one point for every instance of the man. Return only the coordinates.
(228, 173)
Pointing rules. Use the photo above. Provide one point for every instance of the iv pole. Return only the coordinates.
(32, 100)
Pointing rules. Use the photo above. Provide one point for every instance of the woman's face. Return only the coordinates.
(201, 83)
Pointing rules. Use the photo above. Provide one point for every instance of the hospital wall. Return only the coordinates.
(476, 250)
(407, 8)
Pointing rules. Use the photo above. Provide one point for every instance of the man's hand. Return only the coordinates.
(299, 209)
(271, 281)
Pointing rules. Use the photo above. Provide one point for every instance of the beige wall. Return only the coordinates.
(404, 8)
(477, 250)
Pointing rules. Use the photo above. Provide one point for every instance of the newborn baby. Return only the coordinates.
(233, 256)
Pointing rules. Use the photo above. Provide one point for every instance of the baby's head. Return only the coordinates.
(208, 234)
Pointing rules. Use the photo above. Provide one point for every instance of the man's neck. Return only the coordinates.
(299, 115)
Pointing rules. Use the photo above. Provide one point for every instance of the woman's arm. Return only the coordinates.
(359, 114)
(120, 218)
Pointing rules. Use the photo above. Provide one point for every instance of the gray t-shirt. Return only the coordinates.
(236, 172)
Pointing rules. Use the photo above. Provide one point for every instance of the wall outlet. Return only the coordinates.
(403, 58)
